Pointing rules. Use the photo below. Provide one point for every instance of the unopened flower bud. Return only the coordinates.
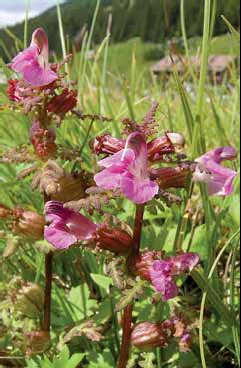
(15, 91)
(147, 336)
(108, 145)
(43, 140)
(140, 265)
(115, 240)
(63, 103)
(72, 187)
(37, 341)
(171, 177)
(28, 224)
(176, 139)
(185, 343)
(29, 300)
(159, 147)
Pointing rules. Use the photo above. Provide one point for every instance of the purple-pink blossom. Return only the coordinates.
(163, 273)
(219, 179)
(65, 227)
(33, 62)
(127, 170)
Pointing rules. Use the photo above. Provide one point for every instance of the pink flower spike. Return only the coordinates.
(209, 170)
(127, 170)
(162, 273)
(33, 61)
(66, 227)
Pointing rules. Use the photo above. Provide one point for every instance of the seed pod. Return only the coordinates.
(29, 300)
(115, 240)
(147, 336)
(72, 187)
(37, 341)
(28, 224)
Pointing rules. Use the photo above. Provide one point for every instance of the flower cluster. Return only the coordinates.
(41, 90)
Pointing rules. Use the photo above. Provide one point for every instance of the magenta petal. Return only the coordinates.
(219, 179)
(162, 281)
(59, 237)
(109, 179)
(139, 191)
(184, 263)
(218, 155)
(66, 226)
(37, 76)
(124, 158)
(22, 60)
(33, 61)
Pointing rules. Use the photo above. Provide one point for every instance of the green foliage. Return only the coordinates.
(83, 291)
(63, 360)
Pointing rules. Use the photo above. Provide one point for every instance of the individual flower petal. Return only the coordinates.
(218, 155)
(139, 191)
(33, 61)
(184, 263)
(219, 179)
(66, 227)
(128, 170)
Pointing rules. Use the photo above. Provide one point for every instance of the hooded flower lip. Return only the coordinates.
(209, 170)
(66, 227)
(128, 170)
(33, 61)
(163, 272)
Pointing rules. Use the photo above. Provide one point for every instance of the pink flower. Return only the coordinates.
(127, 170)
(163, 273)
(66, 227)
(218, 178)
(33, 62)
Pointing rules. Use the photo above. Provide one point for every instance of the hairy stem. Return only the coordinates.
(47, 292)
(127, 321)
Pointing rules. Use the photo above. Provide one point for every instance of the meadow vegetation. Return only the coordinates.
(117, 83)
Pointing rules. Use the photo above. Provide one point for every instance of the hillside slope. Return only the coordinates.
(152, 20)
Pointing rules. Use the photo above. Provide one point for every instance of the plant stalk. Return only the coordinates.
(48, 285)
(127, 321)
(48, 290)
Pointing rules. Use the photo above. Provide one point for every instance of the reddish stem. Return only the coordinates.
(126, 340)
(47, 292)
(127, 321)
(138, 228)
(48, 285)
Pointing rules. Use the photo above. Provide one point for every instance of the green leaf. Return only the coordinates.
(231, 29)
(102, 281)
(213, 297)
(82, 305)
